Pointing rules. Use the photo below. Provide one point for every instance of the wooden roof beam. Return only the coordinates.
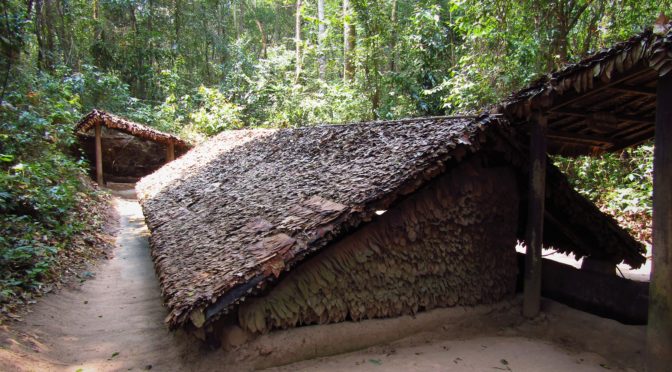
(534, 231)
(637, 101)
(634, 141)
(659, 328)
(604, 116)
(635, 90)
(599, 86)
(634, 129)
(578, 137)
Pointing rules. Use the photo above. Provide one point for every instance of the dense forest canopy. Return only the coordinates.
(218, 64)
(196, 68)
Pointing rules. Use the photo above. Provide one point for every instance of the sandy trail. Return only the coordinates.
(114, 322)
(517, 354)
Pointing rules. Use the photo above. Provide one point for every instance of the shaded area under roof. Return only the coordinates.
(115, 122)
(604, 103)
(247, 205)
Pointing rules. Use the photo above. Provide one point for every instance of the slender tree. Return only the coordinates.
(321, 34)
(297, 39)
(264, 40)
(393, 37)
(349, 35)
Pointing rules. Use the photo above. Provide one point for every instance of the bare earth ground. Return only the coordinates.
(114, 322)
(475, 354)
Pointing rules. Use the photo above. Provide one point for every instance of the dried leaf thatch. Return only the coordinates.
(449, 244)
(115, 122)
(247, 205)
(653, 49)
(604, 103)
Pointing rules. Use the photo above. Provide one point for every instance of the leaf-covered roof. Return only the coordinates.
(115, 122)
(246, 205)
(603, 103)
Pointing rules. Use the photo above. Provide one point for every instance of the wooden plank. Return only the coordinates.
(535, 217)
(578, 137)
(99, 156)
(635, 90)
(659, 330)
(170, 152)
(601, 87)
(634, 129)
(641, 137)
(604, 116)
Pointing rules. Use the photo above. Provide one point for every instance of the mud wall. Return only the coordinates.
(125, 157)
(452, 243)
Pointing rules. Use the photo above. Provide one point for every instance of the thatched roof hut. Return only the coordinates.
(124, 149)
(98, 117)
(233, 216)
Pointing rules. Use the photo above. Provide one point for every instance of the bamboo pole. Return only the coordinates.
(659, 329)
(535, 217)
(99, 156)
(170, 152)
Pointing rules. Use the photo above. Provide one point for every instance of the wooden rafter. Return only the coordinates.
(574, 137)
(635, 90)
(599, 87)
(633, 141)
(604, 116)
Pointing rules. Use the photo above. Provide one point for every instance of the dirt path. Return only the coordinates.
(114, 322)
(517, 354)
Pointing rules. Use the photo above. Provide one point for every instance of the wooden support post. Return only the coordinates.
(99, 156)
(170, 152)
(535, 217)
(659, 330)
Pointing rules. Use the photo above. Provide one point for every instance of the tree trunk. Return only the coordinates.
(139, 52)
(150, 28)
(349, 35)
(47, 13)
(276, 22)
(96, 9)
(177, 23)
(393, 38)
(38, 33)
(297, 39)
(321, 34)
(234, 14)
(63, 37)
(264, 39)
(44, 35)
(241, 19)
(206, 43)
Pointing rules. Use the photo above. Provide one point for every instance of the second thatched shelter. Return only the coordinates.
(123, 151)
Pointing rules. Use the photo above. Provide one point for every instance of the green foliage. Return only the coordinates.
(622, 182)
(274, 99)
(35, 199)
(215, 113)
(41, 184)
